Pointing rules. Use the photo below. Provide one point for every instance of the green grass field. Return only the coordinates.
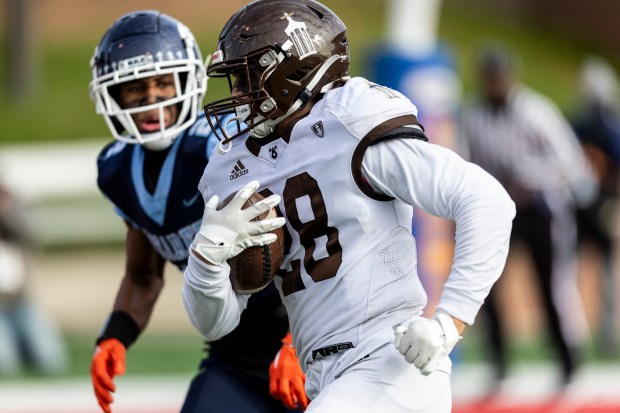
(150, 355)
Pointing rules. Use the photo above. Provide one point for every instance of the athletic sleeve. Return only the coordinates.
(210, 302)
(441, 183)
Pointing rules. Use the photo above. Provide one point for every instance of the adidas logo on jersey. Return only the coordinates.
(238, 170)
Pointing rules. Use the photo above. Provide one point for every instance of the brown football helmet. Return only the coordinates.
(277, 55)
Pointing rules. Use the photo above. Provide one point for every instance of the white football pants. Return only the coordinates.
(384, 382)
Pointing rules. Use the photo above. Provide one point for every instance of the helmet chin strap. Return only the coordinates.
(267, 126)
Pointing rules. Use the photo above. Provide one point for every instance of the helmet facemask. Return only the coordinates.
(190, 91)
(252, 104)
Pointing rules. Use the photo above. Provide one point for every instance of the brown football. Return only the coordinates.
(255, 267)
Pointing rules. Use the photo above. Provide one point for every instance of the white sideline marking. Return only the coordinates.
(134, 394)
(40, 171)
(63, 173)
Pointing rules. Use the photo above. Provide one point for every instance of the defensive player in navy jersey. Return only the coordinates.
(148, 82)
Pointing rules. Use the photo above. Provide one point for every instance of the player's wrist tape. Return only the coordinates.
(214, 251)
(121, 326)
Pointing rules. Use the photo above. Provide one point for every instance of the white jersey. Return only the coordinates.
(349, 271)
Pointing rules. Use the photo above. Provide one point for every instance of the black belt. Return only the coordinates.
(331, 349)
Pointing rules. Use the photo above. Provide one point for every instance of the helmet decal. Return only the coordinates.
(298, 34)
(218, 56)
(132, 62)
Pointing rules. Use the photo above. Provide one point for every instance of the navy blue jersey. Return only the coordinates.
(170, 216)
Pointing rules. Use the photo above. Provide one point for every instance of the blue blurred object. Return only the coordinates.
(430, 81)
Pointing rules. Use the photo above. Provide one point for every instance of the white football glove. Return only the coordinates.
(426, 341)
(225, 233)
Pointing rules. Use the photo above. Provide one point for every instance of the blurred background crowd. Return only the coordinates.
(526, 88)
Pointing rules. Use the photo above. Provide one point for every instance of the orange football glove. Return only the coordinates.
(286, 379)
(108, 361)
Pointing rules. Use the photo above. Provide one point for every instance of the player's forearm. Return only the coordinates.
(210, 302)
(144, 278)
(138, 300)
(483, 226)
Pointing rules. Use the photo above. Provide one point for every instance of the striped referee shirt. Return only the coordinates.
(529, 147)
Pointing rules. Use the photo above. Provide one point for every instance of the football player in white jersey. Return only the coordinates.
(344, 161)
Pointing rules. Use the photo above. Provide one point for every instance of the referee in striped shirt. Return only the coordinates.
(521, 138)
